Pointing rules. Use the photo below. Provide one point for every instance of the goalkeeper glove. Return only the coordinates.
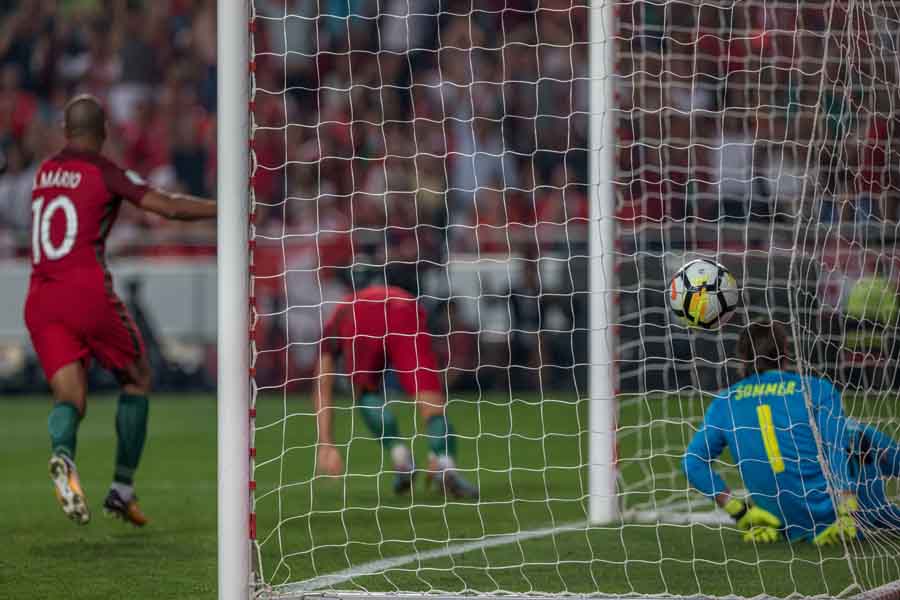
(760, 525)
(843, 528)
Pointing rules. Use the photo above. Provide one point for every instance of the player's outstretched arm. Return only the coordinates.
(179, 207)
(328, 459)
(706, 445)
(759, 525)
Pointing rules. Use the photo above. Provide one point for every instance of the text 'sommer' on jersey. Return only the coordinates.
(75, 201)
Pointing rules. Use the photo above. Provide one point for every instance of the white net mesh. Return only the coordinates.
(441, 147)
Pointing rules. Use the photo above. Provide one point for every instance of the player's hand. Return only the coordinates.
(761, 534)
(761, 525)
(843, 528)
(329, 461)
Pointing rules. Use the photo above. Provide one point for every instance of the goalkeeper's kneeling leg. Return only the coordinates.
(873, 447)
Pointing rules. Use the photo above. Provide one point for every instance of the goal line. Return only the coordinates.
(680, 513)
(889, 591)
(676, 516)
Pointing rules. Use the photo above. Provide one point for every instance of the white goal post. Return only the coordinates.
(690, 130)
(234, 195)
(603, 500)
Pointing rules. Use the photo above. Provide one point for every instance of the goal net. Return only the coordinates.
(517, 166)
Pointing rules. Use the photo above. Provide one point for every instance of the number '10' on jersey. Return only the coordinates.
(74, 204)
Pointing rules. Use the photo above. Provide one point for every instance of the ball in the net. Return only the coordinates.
(703, 294)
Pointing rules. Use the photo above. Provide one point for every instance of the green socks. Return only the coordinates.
(441, 438)
(63, 427)
(380, 419)
(383, 424)
(131, 429)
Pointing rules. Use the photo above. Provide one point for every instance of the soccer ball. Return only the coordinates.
(703, 293)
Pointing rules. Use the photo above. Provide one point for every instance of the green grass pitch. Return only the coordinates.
(315, 526)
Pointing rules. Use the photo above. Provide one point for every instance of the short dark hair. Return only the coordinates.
(84, 116)
(762, 346)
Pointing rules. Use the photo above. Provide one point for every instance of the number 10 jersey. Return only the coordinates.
(72, 312)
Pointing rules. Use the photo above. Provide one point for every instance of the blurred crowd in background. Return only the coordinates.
(395, 137)
(152, 64)
(761, 110)
(391, 144)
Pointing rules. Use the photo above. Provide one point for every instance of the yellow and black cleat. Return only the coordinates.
(67, 488)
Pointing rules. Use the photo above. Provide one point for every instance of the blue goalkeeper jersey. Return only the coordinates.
(764, 422)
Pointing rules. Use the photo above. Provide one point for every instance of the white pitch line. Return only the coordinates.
(491, 541)
(376, 566)
(655, 517)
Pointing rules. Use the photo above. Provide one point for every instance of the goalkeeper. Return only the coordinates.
(374, 329)
(763, 420)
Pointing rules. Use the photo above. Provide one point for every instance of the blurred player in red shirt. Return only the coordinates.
(377, 329)
(72, 312)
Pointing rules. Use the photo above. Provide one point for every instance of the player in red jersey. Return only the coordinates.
(376, 329)
(72, 312)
